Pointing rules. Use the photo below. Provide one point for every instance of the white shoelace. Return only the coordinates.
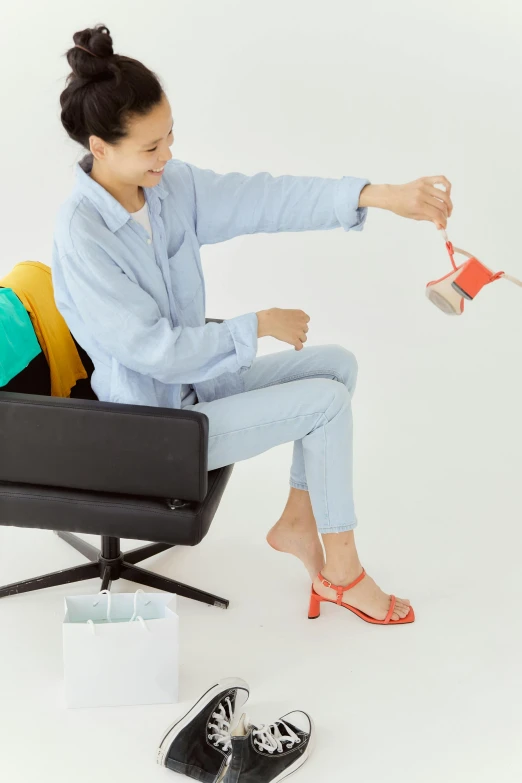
(221, 727)
(270, 739)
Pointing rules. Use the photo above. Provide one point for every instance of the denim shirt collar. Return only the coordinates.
(114, 214)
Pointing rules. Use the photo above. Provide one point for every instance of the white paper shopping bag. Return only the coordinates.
(120, 649)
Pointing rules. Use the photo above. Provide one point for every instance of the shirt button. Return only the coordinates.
(149, 241)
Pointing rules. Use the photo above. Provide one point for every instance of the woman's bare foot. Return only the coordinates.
(296, 532)
(366, 596)
(299, 538)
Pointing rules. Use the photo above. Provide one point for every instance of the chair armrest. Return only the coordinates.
(103, 447)
(213, 320)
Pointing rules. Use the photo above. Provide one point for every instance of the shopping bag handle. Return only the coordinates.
(107, 592)
(134, 617)
(134, 614)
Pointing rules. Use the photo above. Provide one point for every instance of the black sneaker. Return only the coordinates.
(199, 744)
(267, 754)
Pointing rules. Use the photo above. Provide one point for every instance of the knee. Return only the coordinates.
(344, 364)
(334, 397)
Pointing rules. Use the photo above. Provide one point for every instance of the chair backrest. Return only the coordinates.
(36, 379)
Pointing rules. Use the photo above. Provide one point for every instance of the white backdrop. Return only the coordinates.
(387, 90)
(391, 91)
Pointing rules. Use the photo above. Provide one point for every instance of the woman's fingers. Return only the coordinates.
(301, 338)
(435, 213)
(434, 192)
(440, 205)
(441, 180)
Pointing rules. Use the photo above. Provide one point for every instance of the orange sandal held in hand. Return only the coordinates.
(463, 282)
(316, 599)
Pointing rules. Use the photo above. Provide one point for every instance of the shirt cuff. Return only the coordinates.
(244, 329)
(350, 215)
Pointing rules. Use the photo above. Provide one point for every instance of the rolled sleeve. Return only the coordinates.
(350, 215)
(243, 330)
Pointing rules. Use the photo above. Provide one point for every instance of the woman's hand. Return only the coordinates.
(419, 200)
(289, 326)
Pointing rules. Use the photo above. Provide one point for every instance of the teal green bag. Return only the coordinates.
(18, 343)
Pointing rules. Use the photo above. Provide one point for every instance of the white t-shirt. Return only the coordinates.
(142, 216)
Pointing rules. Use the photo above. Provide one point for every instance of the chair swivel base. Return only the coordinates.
(110, 564)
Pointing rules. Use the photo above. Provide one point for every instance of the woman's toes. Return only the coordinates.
(400, 611)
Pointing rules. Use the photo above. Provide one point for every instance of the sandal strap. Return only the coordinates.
(391, 610)
(339, 588)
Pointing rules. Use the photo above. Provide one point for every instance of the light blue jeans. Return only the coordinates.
(301, 396)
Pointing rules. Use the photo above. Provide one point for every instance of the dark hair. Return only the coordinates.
(104, 91)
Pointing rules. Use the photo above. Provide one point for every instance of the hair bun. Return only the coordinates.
(98, 41)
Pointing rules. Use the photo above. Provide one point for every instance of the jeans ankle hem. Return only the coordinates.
(298, 485)
(324, 530)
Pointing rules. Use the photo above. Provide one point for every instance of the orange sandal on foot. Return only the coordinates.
(316, 600)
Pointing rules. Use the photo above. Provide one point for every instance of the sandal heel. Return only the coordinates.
(315, 608)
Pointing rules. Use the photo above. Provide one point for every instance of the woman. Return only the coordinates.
(128, 281)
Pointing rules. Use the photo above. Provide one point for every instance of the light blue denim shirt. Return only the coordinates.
(137, 305)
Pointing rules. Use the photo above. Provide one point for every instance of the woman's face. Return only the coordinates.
(145, 148)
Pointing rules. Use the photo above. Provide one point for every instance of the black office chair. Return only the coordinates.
(78, 465)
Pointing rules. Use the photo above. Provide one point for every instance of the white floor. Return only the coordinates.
(436, 701)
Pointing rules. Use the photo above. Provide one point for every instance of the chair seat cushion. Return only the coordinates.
(122, 516)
